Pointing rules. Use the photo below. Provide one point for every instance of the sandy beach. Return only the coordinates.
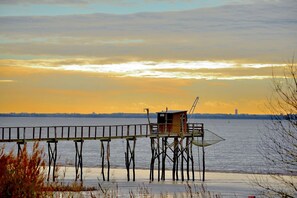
(225, 184)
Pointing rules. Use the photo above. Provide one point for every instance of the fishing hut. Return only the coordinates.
(171, 143)
(172, 122)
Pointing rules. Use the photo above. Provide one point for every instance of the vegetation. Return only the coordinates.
(23, 175)
(279, 144)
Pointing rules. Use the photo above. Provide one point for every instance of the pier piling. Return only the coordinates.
(52, 158)
(130, 157)
(107, 142)
(78, 159)
(20, 145)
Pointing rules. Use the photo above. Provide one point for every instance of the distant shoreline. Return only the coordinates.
(136, 115)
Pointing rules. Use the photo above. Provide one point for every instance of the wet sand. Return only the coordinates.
(225, 184)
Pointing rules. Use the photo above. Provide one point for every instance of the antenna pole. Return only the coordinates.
(148, 115)
(191, 112)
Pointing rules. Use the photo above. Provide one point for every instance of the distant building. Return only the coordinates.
(236, 111)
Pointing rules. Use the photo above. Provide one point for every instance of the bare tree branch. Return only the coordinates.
(279, 144)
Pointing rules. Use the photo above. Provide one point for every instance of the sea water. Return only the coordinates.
(239, 152)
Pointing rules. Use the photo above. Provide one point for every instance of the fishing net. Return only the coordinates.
(210, 138)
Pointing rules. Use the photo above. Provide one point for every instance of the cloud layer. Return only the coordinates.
(260, 32)
(108, 63)
(197, 70)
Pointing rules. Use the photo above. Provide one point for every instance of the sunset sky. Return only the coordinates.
(105, 56)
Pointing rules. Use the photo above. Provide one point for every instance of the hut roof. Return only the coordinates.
(172, 111)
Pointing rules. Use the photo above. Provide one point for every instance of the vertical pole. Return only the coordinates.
(20, 147)
(130, 157)
(68, 132)
(55, 158)
(108, 157)
(188, 158)
(127, 159)
(152, 159)
(158, 153)
(18, 133)
(164, 154)
(133, 153)
(192, 159)
(203, 159)
(24, 134)
(175, 160)
(182, 159)
(102, 160)
(76, 162)
(52, 156)
(55, 131)
(78, 159)
(51, 160)
(81, 162)
(177, 156)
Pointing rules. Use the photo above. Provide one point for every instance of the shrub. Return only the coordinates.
(22, 175)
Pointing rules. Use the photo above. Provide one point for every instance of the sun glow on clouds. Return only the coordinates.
(6, 81)
(257, 66)
(181, 70)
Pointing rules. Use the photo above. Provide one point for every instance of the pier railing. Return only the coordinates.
(46, 133)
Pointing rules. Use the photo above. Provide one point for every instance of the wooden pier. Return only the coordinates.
(171, 145)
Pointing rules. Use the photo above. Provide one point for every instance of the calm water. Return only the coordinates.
(238, 153)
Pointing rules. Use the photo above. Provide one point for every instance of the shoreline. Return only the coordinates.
(225, 184)
(196, 171)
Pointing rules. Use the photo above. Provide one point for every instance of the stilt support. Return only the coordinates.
(78, 159)
(130, 157)
(182, 159)
(203, 159)
(107, 143)
(164, 155)
(52, 158)
(155, 149)
(175, 159)
(20, 145)
(183, 156)
(190, 151)
(188, 158)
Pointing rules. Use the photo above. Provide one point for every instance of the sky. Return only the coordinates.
(108, 56)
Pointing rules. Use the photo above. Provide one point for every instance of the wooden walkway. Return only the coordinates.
(102, 132)
(181, 146)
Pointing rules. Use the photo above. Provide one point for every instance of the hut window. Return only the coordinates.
(162, 118)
